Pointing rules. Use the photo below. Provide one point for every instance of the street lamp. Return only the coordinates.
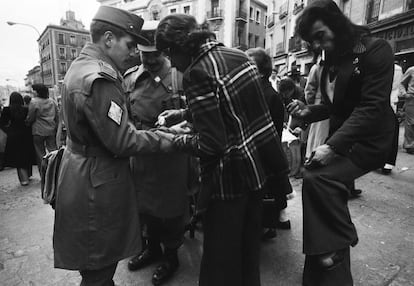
(10, 23)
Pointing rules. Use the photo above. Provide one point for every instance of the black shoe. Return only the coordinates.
(356, 193)
(283, 224)
(145, 258)
(331, 260)
(386, 171)
(167, 269)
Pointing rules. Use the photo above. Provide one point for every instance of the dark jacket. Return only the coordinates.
(276, 107)
(19, 151)
(362, 122)
(96, 219)
(160, 179)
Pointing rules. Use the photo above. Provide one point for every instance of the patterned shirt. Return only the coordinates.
(236, 140)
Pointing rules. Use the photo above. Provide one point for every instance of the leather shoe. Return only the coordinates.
(145, 258)
(165, 270)
(283, 224)
(331, 260)
(356, 192)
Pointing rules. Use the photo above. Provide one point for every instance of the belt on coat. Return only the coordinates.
(87, 151)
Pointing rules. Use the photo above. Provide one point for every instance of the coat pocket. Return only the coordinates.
(102, 173)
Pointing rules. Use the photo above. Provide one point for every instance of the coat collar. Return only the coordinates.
(346, 68)
(94, 51)
(208, 45)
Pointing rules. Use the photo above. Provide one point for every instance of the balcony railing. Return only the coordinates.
(271, 21)
(215, 14)
(283, 10)
(373, 7)
(298, 6)
(241, 15)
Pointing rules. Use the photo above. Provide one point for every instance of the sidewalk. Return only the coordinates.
(383, 216)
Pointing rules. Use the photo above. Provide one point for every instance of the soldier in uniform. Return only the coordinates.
(96, 219)
(161, 179)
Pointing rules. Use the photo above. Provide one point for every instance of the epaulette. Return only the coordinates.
(107, 71)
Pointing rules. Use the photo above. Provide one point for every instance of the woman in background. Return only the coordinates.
(19, 152)
(277, 187)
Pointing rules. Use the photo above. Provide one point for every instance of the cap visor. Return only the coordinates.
(147, 48)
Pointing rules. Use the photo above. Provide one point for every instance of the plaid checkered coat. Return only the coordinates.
(236, 140)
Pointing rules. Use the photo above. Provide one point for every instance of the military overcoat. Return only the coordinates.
(96, 219)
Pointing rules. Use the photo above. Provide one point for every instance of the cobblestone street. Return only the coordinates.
(383, 216)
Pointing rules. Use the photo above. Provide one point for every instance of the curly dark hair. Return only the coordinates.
(347, 34)
(262, 60)
(181, 32)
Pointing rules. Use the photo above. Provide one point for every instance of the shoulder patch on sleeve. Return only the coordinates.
(115, 112)
(107, 71)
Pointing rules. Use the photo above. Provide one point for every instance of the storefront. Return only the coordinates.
(399, 32)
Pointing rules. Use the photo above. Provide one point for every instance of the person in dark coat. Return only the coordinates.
(358, 71)
(19, 152)
(277, 187)
(236, 141)
(96, 217)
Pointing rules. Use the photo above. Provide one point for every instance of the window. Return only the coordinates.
(62, 67)
(256, 41)
(61, 39)
(265, 21)
(186, 9)
(389, 5)
(173, 10)
(62, 53)
(73, 54)
(83, 41)
(72, 40)
(251, 14)
(257, 16)
(155, 15)
(410, 4)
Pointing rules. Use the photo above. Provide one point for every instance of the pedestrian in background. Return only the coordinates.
(19, 151)
(160, 179)
(43, 117)
(96, 217)
(358, 71)
(237, 143)
(395, 94)
(277, 187)
(407, 92)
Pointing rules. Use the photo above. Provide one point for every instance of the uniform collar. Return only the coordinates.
(94, 51)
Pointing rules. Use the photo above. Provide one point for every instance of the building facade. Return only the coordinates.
(33, 76)
(236, 23)
(59, 45)
(392, 20)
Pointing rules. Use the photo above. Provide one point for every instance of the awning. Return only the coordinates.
(404, 52)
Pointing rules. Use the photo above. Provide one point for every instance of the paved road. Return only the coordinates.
(383, 216)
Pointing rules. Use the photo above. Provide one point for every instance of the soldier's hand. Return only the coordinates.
(170, 117)
(181, 128)
(166, 141)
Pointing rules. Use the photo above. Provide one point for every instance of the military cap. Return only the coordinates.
(148, 32)
(128, 22)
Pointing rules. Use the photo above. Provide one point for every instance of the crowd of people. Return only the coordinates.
(30, 127)
(165, 125)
